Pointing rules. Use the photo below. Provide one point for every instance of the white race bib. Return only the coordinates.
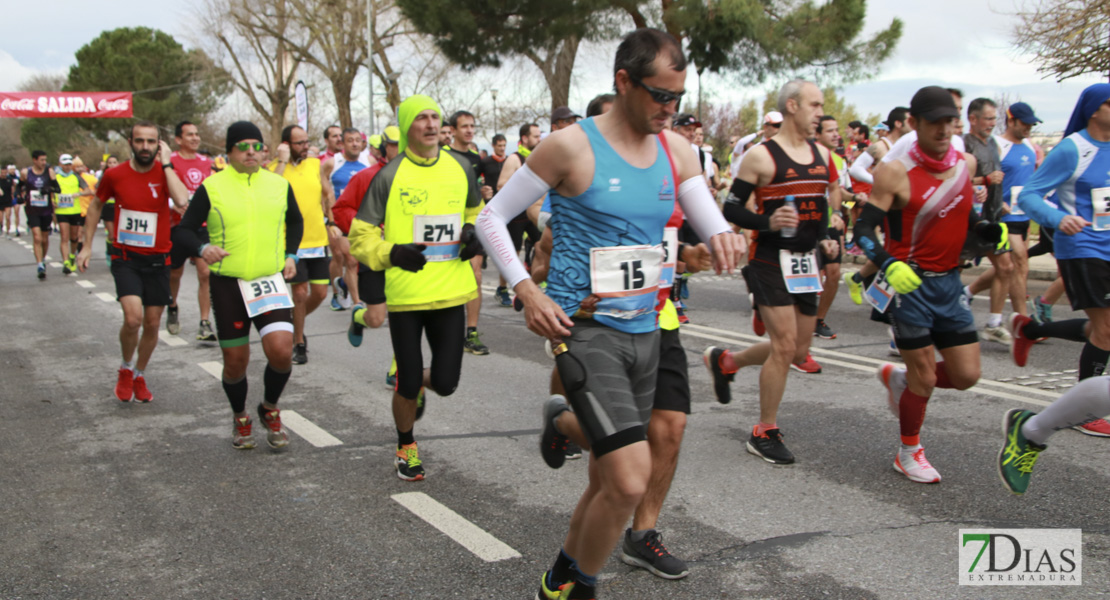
(136, 228)
(1100, 203)
(440, 235)
(799, 271)
(37, 199)
(880, 293)
(1014, 208)
(265, 294)
(670, 257)
(64, 201)
(626, 278)
(320, 252)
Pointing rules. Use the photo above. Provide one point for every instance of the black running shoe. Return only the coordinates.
(650, 553)
(823, 331)
(554, 445)
(173, 325)
(573, 451)
(721, 381)
(770, 448)
(300, 354)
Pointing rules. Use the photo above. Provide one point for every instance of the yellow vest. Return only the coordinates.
(247, 219)
(90, 181)
(71, 186)
(305, 179)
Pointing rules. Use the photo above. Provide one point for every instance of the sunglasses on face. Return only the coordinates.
(775, 125)
(244, 146)
(658, 95)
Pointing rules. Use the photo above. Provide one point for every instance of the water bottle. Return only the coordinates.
(789, 232)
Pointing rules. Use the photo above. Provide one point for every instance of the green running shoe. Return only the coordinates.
(855, 290)
(1018, 455)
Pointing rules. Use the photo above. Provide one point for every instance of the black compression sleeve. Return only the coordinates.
(864, 232)
(294, 224)
(185, 234)
(736, 209)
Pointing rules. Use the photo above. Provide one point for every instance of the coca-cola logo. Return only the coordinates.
(107, 105)
(21, 104)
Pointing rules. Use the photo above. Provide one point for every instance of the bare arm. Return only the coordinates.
(511, 164)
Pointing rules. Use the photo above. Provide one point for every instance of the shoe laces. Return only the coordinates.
(919, 458)
(410, 455)
(1023, 457)
(243, 426)
(272, 418)
(654, 542)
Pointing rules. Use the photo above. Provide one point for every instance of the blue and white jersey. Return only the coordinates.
(1078, 170)
(608, 240)
(1019, 161)
(343, 172)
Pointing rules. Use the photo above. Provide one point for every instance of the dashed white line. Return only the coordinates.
(85, 284)
(172, 340)
(308, 430)
(454, 526)
(213, 368)
(56, 265)
(106, 296)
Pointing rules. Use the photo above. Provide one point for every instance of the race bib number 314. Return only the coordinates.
(136, 228)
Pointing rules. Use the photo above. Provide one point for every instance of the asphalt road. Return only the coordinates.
(101, 499)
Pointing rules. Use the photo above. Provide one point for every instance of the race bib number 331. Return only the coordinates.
(265, 294)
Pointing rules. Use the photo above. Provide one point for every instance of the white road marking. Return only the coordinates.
(454, 526)
(214, 368)
(308, 430)
(172, 340)
(106, 296)
(85, 283)
(56, 265)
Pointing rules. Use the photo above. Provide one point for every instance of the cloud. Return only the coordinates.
(12, 74)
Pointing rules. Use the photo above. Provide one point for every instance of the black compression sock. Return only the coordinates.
(80, 247)
(274, 382)
(404, 438)
(1092, 361)
(562, 571)
(856, 277)
(236, 394)
(1072, 329)
(470, 330)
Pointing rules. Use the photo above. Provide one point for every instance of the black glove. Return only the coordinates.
(408, 256)
(470, 245)
(55, 186)
(993, 233)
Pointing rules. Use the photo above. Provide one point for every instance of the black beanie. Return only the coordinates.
(242, 130)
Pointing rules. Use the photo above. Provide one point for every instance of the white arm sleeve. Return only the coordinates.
(515, 197)
(738, 153)
(859, 171)
(701, 209)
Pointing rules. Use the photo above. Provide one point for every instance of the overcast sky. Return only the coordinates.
(953, 43)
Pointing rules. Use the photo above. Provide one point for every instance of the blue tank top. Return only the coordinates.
(1019, 161)
(624, 206)
(342, 175)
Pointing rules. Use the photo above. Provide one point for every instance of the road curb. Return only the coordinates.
(1035, 274)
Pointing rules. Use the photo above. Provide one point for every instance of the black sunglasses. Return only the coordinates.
(658, 95)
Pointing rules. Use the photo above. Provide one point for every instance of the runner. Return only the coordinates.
(828, 135)
(38, 185)
(520, 225)
(782, 269)
(490, 167)
(313, 192)
(141, 250)
(927, 197)
(333, 142)
(108, 212)
(243, 206)
(585, 169)
(462, 126)
(427, 202)
(90, 183)
(340, 168)
(772, 121)
(1076, 170)
(10, 199)
(192, 168)
(67, 210)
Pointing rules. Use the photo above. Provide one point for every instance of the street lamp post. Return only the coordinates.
(370, 60)
(496, 123)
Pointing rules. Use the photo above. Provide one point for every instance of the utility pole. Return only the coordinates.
(370, 61)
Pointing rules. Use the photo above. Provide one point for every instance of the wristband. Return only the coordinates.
(168, 166)
(294, 257)
(202, 247)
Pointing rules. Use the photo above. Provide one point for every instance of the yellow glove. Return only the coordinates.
(902, 278)
(1004, 239)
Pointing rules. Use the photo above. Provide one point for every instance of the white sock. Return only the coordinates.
(138, 373)
(127, 365)
(995, 320)
(967, 291)
(909, 449)
(1088, 400)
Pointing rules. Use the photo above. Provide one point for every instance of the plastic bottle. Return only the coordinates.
(789, 232)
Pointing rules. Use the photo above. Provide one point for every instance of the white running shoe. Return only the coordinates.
(893, 379)
(996, 334)
(915, 466)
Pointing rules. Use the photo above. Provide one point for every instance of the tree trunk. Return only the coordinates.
(277, 121)
(341, 87)
(559, 79)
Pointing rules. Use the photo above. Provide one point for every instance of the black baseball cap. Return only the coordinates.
(685, 120)
(563, 113)
(898, 113)
(933, 103)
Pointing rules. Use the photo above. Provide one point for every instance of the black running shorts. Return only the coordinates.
(41, 221)
(1087, 281)
(142, 275)
(233, 326)
(371, 285)
(672, 381)
(75, 220)
(179, 255)
(768, 288)
(313, 270)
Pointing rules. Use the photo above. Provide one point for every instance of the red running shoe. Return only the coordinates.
(142, 394)
(1097, 428)
(125, 384)
(1021, 345)
(757, 323)
(807, 366)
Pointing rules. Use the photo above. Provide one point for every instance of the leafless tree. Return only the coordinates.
(1068, 37)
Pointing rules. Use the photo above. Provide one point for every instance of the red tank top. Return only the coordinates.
(808, 184)
(934, 222)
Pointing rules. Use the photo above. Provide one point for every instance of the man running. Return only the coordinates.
(313, 192)
(1078, 171)
(108, 211)
(520, 225)
(463, 126)
(772, 121)
(927, 198)
(333, 142)
(38, 186)
(614, 173)
(243, 206)
(67, 210)
(340, 168)
(416, 224)
(828, 135)
(140, 265)
(790, 168)
(9, 200)
(192, 168)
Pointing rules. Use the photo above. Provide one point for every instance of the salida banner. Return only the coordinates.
(103, 105)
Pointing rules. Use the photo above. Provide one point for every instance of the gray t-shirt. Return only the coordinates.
(989, 160)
